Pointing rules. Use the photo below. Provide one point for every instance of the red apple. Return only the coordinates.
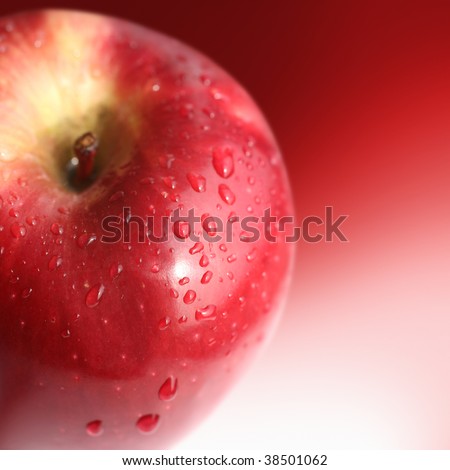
(126, 344)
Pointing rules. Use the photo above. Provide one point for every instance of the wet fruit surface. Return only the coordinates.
(127, 343)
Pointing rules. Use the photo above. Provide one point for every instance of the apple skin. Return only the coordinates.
(104, 345)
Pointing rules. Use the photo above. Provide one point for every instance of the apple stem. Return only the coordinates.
(85, 149)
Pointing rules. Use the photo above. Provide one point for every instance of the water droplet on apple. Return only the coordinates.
(85, 239)
(18, 230)
(226, 194)
(148, 423)
(218, 96)
(223, 162)
(54, 263)
(232, 258)
(223, 247)
(164, 323)
(114, 270)
(206, 277)
(166, 161)
(189, 297)
(94, 295)
(173, 293)
(147, 180)
(26, 293)
(251, 255)
(21, 181)
(246, 150)
(197, 248)
(198, 182)
(31, 221)
(206, 313)
(94, 428)
(65, 334)
(204, 261)
(251, 180)
(170, 182)
(13, 213)
(57, 229)
(183, 281)
(155, 268)
(182, 319)
(168, 389)
(117, 196)
(13, 197)
(205, 80)
(181, 229)
(209, 224)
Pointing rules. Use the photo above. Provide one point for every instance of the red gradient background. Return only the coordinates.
(358, 94)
